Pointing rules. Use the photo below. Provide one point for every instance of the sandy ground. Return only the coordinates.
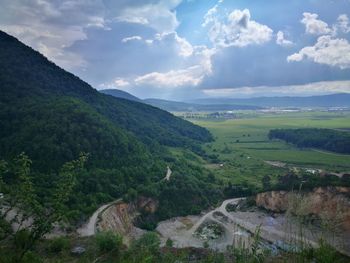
(280, 230)
(181, 230)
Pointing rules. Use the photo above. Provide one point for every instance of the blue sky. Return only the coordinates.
(185, 49)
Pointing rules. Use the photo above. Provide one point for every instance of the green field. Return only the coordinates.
(243, 146)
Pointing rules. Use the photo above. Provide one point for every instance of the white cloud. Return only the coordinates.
(172, 39)
(280, 39)
(324, 87)
(237, 29)
(328, 51)
(210, 16)
(120, 82)
(117, 83)
(50, 43)
(52, 26)
(158, 15)
(342, 24)
(315, 26)
(191, 76)
(133, 38)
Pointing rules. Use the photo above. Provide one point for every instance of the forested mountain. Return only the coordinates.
(42, 103)
(120, 94)
(52, 116)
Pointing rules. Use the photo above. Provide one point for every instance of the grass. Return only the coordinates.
(243, 146)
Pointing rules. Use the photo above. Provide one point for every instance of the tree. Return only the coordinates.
(266, 182)
(24, 219)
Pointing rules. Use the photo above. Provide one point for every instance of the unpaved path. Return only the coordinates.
(168, 174)
(89, 228)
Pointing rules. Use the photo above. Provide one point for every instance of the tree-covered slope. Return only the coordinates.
(53, 116)
(45, 109)
(325, 139)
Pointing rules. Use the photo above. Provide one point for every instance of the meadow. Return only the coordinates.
(242, 145)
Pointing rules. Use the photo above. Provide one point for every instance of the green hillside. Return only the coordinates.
(52, 116)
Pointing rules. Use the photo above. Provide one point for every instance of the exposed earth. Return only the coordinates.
(233, 222)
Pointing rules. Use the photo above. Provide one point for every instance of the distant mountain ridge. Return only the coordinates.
(120, 94)
(333, 100)
(185, 106)
(226, 104)
(176, 106)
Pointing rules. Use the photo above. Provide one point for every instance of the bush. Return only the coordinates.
(108, 241)
(22, 239)
(169, 243)
(148, 243)
(58, 244)
(325, 253)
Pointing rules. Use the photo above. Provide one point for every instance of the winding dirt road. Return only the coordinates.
(89, 228)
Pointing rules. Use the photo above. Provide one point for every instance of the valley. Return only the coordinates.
(89, 176)
(243, 147)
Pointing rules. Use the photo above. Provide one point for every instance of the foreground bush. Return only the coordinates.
(108, 241)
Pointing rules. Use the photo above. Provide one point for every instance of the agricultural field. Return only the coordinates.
(243, 147)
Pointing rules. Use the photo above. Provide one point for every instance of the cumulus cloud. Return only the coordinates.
(280, 39)
(120, 82)
(237, 29)
(156, 14)
(172, 39)
(328, 51)
(342, 24)
(133, 38)
(315, 26)
(324, 87)
(199, 66)
(52, 26)
(190, 76)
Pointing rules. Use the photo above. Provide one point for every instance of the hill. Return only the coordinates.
(333, 100)
(120, 94)
(34, 92)
(183, 106)
(52, 116)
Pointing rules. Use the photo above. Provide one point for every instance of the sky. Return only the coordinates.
(187, 49)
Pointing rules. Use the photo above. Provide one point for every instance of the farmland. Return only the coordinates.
(242, 145)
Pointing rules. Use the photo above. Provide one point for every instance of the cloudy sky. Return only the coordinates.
(184, 49)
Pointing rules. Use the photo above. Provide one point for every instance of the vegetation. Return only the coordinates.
(325, 139)
(108, 241)
(241, 148)
(52, 116)
(24, 219)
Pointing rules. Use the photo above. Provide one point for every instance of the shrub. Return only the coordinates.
(148, 243)
(108, 241)
(58, 244)
(169, 243)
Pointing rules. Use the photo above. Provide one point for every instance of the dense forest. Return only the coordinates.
(325, 139)
(53, 116)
